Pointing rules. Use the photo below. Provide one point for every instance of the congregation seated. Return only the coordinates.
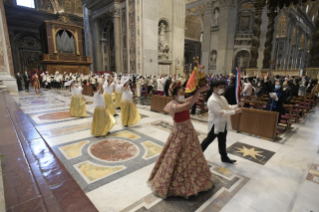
(276, 103)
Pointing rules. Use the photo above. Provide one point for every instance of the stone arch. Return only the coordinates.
(194, 28)
(107, 44)
(241, 59)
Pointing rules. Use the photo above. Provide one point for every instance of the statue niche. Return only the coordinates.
(213, 59)
(163, 47)
(215, 19)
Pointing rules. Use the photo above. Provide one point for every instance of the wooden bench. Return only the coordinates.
(158, 103)
(87, 90)
(256, 122)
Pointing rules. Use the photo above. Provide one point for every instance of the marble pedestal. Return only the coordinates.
(10, 82)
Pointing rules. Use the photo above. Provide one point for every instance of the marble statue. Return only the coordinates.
(216, 18)
(213, 58)
(241, 62)
(163, 47)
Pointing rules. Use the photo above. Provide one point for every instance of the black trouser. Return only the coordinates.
(19, 86)
(149, 89)
(26, 85)
(221, 141)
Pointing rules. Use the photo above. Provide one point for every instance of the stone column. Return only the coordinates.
(258, 5)
(290, 34)
(15, 60)
(117, 39)
(269, 38)
(97, 58)
(88, 35)
(6, 64)
(302, 64)
(296, 51)
(206, 36)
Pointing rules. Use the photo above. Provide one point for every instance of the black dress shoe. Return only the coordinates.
(228, 160)
(126, 126)
(115, 115)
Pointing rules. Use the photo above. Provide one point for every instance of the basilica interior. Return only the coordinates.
(51, 161)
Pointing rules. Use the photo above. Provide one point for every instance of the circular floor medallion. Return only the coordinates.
(114, 150)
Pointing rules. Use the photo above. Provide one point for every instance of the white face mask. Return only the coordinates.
(181, 99)
(220, 91)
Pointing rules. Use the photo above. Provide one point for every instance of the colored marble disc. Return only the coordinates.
(114, 150)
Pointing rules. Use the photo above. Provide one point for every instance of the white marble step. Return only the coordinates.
(3, 87)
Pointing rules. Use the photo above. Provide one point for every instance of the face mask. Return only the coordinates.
(277, 87)
(181, 99)
(285, 84)
(259, 85)
(220, 91)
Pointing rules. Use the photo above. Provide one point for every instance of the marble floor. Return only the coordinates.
(280, 176)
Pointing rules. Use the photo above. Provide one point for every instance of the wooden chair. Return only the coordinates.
(296, 113)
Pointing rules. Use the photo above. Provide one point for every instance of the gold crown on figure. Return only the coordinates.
(196, 59)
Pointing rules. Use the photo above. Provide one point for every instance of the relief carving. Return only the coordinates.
(163, 47)
(132, 36)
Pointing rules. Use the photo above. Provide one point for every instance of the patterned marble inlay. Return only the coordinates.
(93, 172)
(167, 126)
(114, 150)
(152, 149)
(124, 134)
(226, 184)
(55, 116)
(38, 100)
(52, 117)
(252, 153)
(133, 153)
(313, 174)
(73, 150)
(65, 130)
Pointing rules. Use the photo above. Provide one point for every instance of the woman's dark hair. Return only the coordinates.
(175, 90)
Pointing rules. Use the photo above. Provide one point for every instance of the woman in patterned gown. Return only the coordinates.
(181, 169)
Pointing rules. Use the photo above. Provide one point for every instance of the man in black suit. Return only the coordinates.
(26, 78)
(18, 78)
(230, 92)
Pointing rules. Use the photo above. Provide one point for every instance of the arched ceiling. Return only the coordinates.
(193, 27)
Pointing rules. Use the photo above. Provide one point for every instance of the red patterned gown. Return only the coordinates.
(181, 169)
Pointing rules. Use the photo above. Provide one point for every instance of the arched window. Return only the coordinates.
(26, 3)
(313, 18)
(307, 8)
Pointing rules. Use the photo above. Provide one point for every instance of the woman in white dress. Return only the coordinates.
(138, 87)
(129, 113)
(103, 121)
(118, 94)
(108, 89)
(78, 107)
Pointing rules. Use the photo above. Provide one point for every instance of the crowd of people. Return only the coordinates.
(181, 169)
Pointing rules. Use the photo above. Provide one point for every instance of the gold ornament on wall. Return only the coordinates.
(63, 16)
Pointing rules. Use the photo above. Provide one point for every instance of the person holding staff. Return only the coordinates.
(181, 169)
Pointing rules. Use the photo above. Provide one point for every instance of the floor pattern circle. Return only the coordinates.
(114, 150)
